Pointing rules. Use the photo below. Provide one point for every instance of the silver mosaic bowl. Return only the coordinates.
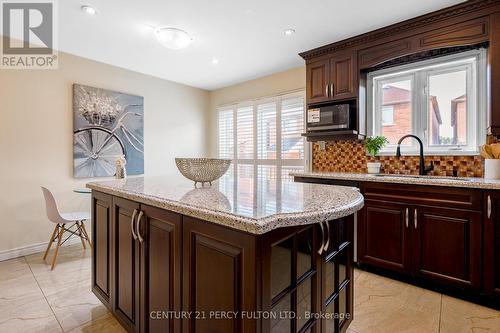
(202, 170)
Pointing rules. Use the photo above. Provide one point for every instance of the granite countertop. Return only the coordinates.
(255, 205)
(477, 183)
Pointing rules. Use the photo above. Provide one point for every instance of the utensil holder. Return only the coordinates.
(492, 168)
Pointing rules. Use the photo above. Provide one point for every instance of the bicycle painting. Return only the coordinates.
(107, 125)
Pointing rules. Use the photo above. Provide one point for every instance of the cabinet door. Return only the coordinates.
(291, 279)
(384, 236)
(338, 274)
(101, 237)
(318, 81)
(447, 246)
(126, 264)
(494, 65)
(160, 269)
(492, 243)
(342, 76)
(219, 274)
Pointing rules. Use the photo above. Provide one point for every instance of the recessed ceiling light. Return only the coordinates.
(289, 32)
(89, 9)
(215, 61)
(173, 38)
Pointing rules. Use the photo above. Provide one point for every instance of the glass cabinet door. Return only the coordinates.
(337, 275)
(293, 283)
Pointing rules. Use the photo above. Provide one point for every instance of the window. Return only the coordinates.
(442, 101)
(387, 115)
(268, 141)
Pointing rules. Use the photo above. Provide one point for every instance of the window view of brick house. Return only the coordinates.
(397, 114)
(435, 121)
(438, 101)
(459, 120)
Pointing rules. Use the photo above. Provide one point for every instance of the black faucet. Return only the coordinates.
(423, 169)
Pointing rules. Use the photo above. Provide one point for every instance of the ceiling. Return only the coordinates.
(245, 36)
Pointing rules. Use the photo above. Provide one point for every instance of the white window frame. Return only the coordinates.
(477, 106)
(255, 161)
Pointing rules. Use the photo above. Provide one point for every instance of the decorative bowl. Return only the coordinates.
(202, 170)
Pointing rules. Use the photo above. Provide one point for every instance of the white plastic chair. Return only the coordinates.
(76, 219)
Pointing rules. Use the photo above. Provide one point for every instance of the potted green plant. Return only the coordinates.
(373, 145)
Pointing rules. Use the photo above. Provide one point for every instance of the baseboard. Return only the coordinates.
(31, 249)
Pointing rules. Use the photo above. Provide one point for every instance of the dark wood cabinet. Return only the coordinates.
(331, 79)
(291, 271)
(126, 250)
(494, 72)
(384, 235)
(101, 251)
(433, 235)
(151, 266)
(343, 76)
(161, 269)
(137, 267)
(447, 246)
(219, 274)
(337, 275)
(318, 81)
(492, 243)
(337, 71)
(310, 270)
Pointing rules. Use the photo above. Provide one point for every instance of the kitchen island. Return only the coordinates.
(246, 255)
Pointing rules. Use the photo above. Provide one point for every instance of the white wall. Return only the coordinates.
(36, 142)
(290, 80)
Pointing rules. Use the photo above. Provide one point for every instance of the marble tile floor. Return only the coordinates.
(35, 299)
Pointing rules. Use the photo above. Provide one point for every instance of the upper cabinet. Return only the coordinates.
(337, 71)
(494, 65)
(332, 79)
(343, 76)
(318, 81)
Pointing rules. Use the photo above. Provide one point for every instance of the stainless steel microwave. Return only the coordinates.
(328, 118)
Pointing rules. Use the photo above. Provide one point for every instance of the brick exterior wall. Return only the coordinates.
(402, 123)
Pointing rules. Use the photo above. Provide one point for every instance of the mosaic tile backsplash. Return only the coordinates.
(350, 156)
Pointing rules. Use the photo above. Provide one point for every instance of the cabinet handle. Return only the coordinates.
(137, 224)
(327, 236)
(489, 206)
(407, 217)
(326, 90)
(415, 219)
(132, 224)
(320, 251)
(331, 90)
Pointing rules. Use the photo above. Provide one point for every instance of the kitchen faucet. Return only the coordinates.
(423, 169)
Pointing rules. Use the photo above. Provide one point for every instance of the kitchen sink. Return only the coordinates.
(451, 179)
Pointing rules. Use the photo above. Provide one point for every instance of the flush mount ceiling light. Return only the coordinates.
(87, 9)
(173, 38)
(289, 32)
(215, 61)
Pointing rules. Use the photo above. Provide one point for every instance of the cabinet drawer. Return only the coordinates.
(449, 197)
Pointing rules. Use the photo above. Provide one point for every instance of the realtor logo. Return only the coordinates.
(28, 30)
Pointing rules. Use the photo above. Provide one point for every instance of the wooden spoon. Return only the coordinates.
(495, 150)
(484, 153)
(488, 150)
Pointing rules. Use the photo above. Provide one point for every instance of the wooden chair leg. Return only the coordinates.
(86, 234)
(82, 236)
(59, 240)
(51, 241)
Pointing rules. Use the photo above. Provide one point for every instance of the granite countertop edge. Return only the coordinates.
(463, 182)
(257, 226)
